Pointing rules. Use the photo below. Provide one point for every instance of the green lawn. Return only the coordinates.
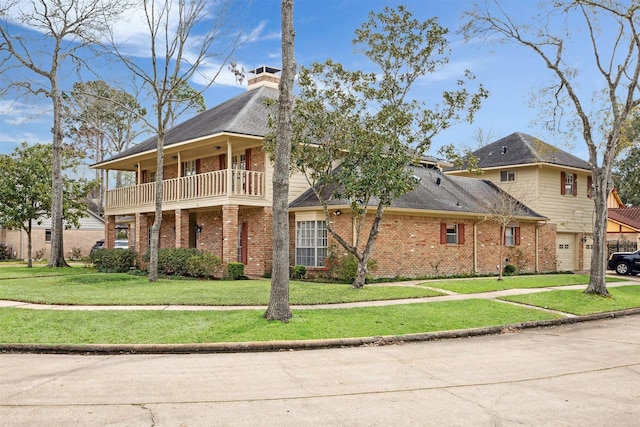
(83, 286)
(171, 327)
(490, 284)
(90, 288)
(577, 302)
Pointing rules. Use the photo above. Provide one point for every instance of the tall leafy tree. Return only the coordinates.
(62, 30)
(102, 120)
(599, 115)
(25, 190)
(370, 124)
(626, 177)
(279, 308)
(176, 54)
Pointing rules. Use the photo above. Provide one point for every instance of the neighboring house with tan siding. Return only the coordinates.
(623, 225)
(218, 197)
(551, 182)
(91, 229)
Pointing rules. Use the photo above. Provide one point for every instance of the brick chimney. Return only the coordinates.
(263, 76)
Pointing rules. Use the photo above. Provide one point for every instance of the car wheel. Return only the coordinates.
(622, 268)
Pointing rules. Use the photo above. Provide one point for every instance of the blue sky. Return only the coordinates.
(324, 29)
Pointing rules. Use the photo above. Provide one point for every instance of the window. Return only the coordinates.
(568, 184)
(311, 243)
(189, 168)
(512, 236)
(507, 176)
(47, 235)
(451, 233)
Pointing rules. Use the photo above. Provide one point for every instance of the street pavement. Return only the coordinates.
(582, 374)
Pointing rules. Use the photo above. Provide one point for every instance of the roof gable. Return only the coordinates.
(626, 216)
(521, 149)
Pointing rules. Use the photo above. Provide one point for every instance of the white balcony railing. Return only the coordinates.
(200, 186)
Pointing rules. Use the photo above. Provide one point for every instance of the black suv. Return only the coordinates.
(625, 262)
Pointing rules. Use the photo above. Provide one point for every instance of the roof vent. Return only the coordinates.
(264, 76)
(438, 181)
(504, 149)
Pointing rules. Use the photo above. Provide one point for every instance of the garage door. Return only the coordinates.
(565, 251)
(588, 250)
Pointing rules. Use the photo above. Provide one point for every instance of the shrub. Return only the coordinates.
(76, 253)
(39, 254)
(347, 268)
(204, 264)
(236, 270)
(5, 253)
(509, 269)
(174, 261)
(113, 260)
(299, 271)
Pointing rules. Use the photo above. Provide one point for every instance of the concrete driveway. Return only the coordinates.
(585, 374)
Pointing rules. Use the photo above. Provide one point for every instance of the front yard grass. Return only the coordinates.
(579, 303)
(176, 327)
(490, 284)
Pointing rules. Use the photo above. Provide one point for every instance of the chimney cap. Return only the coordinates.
(265, 69)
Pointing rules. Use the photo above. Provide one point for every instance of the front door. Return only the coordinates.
(243, 231)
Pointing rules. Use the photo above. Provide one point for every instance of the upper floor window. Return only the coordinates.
(507, 176)
(189, 168)
(568, 184)
(47, 235)
(451, 234)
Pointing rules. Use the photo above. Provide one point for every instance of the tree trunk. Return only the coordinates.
(56, 259)
(597, 283)
(29, 245)
(361, 273)
(363, 261)
(157, 222)
(279, 308)
(500, 266)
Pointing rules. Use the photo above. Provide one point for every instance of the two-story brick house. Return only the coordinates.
(217, 197)
(550, 181)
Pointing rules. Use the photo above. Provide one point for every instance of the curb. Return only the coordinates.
(272, 346)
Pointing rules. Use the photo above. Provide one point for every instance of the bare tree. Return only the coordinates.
(68, 27)
(612, 30)
(278, 308)
(176, 55)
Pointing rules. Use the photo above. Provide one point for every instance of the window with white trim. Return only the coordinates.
(452, 234)
(510, 236)
(508, 176)
(311, 243)
(189, 168)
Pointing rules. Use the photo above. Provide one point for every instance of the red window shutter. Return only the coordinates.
(575, 184)
(589, 186)
(461, 234)
(247, 159)
(198, 165)
(443, 233)
(517, 237)
(144, 176)
(563, 179)
(223, 161)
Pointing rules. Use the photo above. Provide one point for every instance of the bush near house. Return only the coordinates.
(114, 260)
(236, 270)
(186, 262)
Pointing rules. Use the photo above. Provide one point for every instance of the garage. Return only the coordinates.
(565, 251)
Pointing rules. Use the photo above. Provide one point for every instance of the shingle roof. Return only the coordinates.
(245, 114)
(438, 192)
(521, 149)
(627, 216)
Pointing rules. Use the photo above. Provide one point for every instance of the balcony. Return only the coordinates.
(185, 191)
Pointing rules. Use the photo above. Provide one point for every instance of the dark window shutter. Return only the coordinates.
(461, 234)
(247, 159)
(575, 184)
(198, 165)
(443, 233)
(517, 237)
(145, 176)
(589, 186)
(563, 179)
(223, 161)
